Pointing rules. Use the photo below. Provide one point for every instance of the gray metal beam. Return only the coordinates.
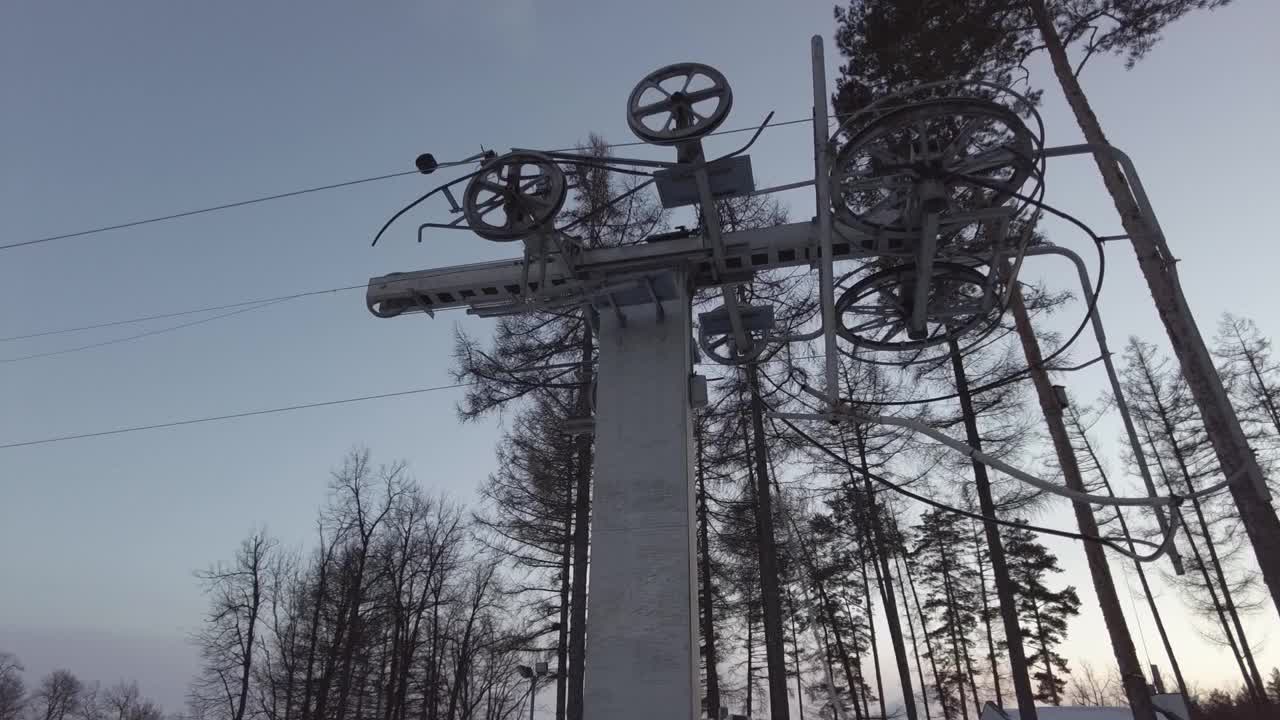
(499, 282)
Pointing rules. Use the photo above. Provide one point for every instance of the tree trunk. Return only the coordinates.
(992, 657)
(354, 635)
(973, 680)
(1131, 676)
(359, 693)
(999, 569)
(407, 655)
(871, 626)
(1142, 574)
(390, 688)
(1267, 401)
(1203, 567)
(581, 543)
(775, 656)
(955, 648)
(313, 639)
(430, 699)
(1219, 605)
(915, 646)
(710, 656)
(466, 650)
(291, 667)
(860, 690)
(924, 632)
(750, 709)
(246, 665)
(845, 664)
(957, 644)
(881, 555)
(1164, 415)
(795, 649)
(1228, 602)
(562, 635)
(830, 678)
(1160, 271)
(1048, 659)
(384, 691)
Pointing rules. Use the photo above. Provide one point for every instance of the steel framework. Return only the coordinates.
(922, 221)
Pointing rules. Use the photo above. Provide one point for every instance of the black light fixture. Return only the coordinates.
(426, 163)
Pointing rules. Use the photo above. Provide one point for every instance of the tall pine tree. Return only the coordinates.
(1045, 612)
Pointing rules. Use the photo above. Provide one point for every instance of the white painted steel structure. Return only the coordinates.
(935, 215)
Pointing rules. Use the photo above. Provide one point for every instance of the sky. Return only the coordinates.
(126, 110)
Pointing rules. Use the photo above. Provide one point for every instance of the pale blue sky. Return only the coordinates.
(116, 111)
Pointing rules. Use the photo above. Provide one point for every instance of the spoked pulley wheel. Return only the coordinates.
(875, 312)
(724, 351)
(514, 196)
(716, 333)
(951, 156)
(679, 103)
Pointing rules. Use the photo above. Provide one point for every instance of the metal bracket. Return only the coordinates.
(575, 426)
(698, 395)
(419, 300)
(454, 207)
(659, 312)
(617, 311)
(727, 177)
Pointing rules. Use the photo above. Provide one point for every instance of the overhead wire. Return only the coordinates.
(247, 306)
(226, 206)
(213, 208)
(317, 188)
(180, 313)
(244, 306)
(266, 198)
(138, 336)
(230, 416)
(1159, 548)
(248, 413)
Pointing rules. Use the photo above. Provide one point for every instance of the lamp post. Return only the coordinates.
(532, 674)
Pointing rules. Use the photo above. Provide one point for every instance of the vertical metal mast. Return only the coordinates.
(822, 195)
(642, 648)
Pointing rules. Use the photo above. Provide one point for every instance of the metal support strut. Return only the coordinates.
(822, 195)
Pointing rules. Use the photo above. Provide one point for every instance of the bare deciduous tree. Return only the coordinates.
(92, 704)
(395, 616)
(12, 687)
(58, 695)
(124, 701)
(230, 636)
(1092, 688)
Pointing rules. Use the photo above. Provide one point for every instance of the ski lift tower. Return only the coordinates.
(642, 637)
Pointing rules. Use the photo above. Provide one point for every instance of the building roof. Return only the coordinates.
(1171, 705)
(1062, 713)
